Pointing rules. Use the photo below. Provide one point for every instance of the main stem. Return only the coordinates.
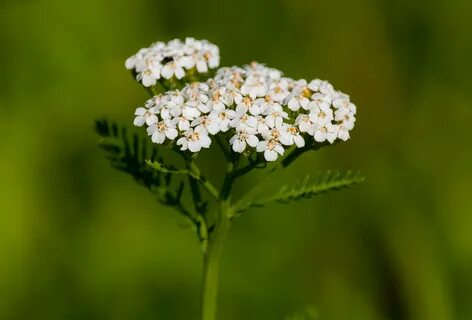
(211, 260)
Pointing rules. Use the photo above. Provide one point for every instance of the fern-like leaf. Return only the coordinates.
(308, 188)
(130, 155)
(159, 166)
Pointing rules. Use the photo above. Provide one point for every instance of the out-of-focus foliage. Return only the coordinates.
(79, 240)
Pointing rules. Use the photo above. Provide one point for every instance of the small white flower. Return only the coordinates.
(321, 100)
(181, 122)
(321, 117)
(343, 132)
(196, 95)
(271, 148)
(290, 135)
(144, 116)
(254, 87)
(183, 115)
(327, 132)
(305, 124)
(223, 118)
(188, 111)
(324, 87)
(194, 140)
(159, 131)
(217, 99)
(299, 98)
(275, 116)
(272, 134)
(243, 138)
(173, 68)
(345, 116)
(243, 121)
(205, 123)
(266, 104)
(246, 104)
(278, 90)
(261, 124)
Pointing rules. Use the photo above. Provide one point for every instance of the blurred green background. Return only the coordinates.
(79, 240)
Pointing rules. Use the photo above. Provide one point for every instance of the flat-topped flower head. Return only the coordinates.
(174, 59)
(254, 108)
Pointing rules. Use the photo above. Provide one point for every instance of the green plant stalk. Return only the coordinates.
(211, 261)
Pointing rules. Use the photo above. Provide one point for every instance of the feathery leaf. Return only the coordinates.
(308, 188)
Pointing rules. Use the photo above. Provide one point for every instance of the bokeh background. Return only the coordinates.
(79, 240)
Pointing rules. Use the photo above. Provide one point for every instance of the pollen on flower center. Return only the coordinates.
(271, 144)
(208, 55)
(306, 93)
(275, 134)
(195, 136)
(216, 95)
(162, 126)
(205, 121)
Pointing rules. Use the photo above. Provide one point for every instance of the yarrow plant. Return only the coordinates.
(257, 117)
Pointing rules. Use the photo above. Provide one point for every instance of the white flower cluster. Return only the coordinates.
(173, 58)
(256, 106)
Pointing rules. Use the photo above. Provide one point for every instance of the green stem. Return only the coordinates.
(211, 262)
(205, 183)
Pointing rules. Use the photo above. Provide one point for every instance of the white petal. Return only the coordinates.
(343, 135)
(261, 146)
(293, 104)
(331, 136)
(167, 72)
(286, 139)
(202, 66)
(158, 137)
(130, 62)
(304, 102)
(241, 108)
(270, 155)
(194, 146)
(150, 120)
(184, 125)
(255, 110)
(171, 133)
(140, 111)
(239, 146)
(187, 62)
(252, 122)
(139, 121)
(149, 81)
(213, 128)
(252, 141)
(279, 149)
(320, 136)
(179, 73)
(205, 141)
(299, 141)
